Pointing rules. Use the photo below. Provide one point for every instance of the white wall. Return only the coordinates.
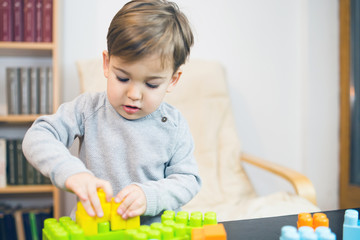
(281, 59)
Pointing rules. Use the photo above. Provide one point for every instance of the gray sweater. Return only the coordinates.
(155, 152)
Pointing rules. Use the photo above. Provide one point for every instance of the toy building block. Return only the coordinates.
(320, 220)
(90, 224)
(132, 223)
(317, 220)
(105, 205)
(116, 221)
(351, 226)
(87, 223)
(306, 233)
(65, 229)
(209, 232)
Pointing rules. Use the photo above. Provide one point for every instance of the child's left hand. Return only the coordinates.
(133, 201)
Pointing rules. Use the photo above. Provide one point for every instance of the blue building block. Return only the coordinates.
(351, 228)
(306, 233)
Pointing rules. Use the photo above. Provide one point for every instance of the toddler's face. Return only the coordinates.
(137, 89)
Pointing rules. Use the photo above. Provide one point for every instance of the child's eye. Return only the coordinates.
(122, 79)
(152, 85)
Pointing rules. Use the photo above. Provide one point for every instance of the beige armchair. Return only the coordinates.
(202, 97)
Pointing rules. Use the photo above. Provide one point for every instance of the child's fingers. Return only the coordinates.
(122, 194)
(133, 202)
(88, 207)
(80, 192)
(126, 203)
(95, 201)
(135, 209)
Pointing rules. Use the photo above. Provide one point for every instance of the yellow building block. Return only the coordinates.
(116, 221)
(132, 223)
(90, 224)
(87, 223)
(106, 207)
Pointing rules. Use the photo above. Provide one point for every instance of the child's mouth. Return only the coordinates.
(130, 109)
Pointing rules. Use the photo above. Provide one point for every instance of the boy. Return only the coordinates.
(131, 143)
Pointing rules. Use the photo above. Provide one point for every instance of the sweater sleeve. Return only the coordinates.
(181, 182)
(46, 142)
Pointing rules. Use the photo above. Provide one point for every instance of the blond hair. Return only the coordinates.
(145, 27)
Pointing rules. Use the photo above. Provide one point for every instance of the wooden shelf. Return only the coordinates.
(27, 189)
(27, 45)
(39, 49)
(19, 118)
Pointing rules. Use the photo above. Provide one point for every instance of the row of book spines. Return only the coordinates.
(23, 224)
(29, 90)
(26, 20)
(18, 170)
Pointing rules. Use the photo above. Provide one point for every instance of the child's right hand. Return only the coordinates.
(85, 186)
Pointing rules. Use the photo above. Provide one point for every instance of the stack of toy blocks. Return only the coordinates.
(90, 225)
(309, 227)
(111, 226)
(179, 227)
(351, 227)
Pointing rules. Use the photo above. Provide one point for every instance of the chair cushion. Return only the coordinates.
(91, 75)
(202, 97)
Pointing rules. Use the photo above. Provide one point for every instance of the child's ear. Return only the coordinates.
(106, 60)
(174, 80)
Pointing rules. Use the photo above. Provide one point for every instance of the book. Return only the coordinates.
(6, 20)
(44, 90)
(47, 20)
(2, 162)
(33, 226)
(26, 223)
(49, 77)
(13, 88)
(30, 172)
(29, 20)
(20, 232)
(38, 20)
(2, 226)
(46, 180)
(18, 20)
(20, 166)
(25, 90)
(10, 227)
(34, 90)
(39, 179)
(11, 173)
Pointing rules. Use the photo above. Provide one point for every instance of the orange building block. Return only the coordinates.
(209, 232)
(304, 219)
(320, 220)
(215, 232)
(317, 220)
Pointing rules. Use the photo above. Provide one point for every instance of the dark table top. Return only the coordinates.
(269, 228)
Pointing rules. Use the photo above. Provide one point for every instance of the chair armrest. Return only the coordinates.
(302, 185)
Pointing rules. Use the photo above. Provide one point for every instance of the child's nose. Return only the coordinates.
(134, 92)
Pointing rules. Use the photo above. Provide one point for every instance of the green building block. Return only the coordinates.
(172, 227)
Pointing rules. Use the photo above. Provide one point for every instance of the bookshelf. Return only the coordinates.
(32, 51)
